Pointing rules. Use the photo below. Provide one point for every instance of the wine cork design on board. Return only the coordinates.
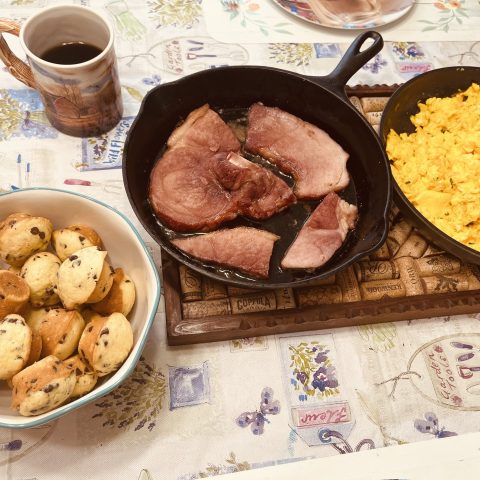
(190, 284)
(327, 294)
(410, 276)
(285, 298)
(382, 289)
(213, 290)
(374, 104)
(368, 271)
(209, 308)
(398, 235)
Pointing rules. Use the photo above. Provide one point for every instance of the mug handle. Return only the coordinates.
(20, 70)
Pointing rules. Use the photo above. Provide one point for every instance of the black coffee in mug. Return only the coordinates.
(69, 53)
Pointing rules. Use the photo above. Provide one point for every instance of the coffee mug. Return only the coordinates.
(72, 65)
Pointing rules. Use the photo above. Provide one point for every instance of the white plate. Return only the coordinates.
(362, 13)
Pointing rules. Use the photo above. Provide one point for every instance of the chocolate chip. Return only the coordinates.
(35, 231)
(2, 297)
(2, 331)
(95, 277)
(62, 340)
(12, 223)
(105, 343)
(19, 357)
(105, 331)
(90, 328)
(103, 289)
(50, 387)
(127, 281)
(81, 238)
(12, 320)
(41, 235)
(72, 257)
(33, 380)
(78, 372)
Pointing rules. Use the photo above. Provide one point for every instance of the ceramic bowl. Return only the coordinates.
(125, 249)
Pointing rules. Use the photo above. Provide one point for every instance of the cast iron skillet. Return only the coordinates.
(442, 82)
(321, 101)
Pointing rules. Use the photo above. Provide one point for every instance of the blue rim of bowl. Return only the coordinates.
(71, 407)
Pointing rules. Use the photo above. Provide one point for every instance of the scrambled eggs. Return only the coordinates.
(438, 166)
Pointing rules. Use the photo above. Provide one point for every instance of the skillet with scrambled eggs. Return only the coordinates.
(438, 166)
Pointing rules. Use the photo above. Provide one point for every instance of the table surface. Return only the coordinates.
(374, 386)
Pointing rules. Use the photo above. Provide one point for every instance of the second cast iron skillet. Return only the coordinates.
(318, 100)
(442, 82)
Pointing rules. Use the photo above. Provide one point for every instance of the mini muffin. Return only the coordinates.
(42, 386)
(40, 272)
(22, 235)
(121, 296)
(15, 345)
(35, 316)
(79, 275)
(105, 343)
(14, 293)
(60, 331)
(104, 284)
(67, 241)
(86, 379)
(35, 349)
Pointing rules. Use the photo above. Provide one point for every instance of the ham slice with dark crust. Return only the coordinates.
(322, 235)
(243, 248)
(201, 182)
(258, 192)
(310, 155)
(186, 194)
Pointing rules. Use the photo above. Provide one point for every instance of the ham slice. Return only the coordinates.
(201, 182)
(243, 248)
(185, 192)
(258, 192)
(322, 234)
(203, 128)
(310, 155)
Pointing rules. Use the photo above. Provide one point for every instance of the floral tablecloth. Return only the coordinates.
(186, 412)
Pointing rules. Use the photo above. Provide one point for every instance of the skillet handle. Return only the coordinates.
(351, 62)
